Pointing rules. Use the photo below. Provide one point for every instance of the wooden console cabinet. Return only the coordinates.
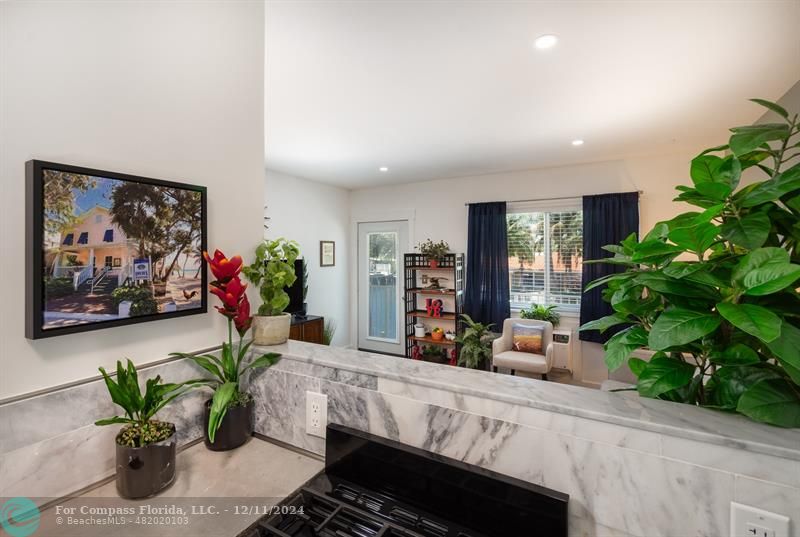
(308, 329)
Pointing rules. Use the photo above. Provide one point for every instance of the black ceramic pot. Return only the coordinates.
(235, 430)
(145, 471)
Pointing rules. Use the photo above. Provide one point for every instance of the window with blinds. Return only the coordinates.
(545, 256)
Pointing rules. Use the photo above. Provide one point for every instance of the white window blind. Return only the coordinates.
(545, 256)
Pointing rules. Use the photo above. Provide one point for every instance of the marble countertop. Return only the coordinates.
(257, 475)
(664, 417)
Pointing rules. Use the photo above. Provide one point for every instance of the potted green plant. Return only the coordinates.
(476, 344)
(328, 331)
(434, 251)
(541, 313)
(145, 447)
(273, 271)
(723, 317)
(229, 415)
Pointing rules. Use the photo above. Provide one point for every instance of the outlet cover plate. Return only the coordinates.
(748, 521)
(316, 414)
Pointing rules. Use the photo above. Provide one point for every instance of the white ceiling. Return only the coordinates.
(447, 89)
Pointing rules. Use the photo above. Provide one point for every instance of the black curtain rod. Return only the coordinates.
(640, 192)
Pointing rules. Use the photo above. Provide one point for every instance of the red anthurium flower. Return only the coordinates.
(243, 320)
(224, 269)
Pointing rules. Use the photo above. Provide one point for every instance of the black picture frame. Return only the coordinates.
(34, 251)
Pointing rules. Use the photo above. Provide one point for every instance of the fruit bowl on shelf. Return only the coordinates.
(437, 334)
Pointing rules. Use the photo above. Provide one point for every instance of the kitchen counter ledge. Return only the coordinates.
(258, 473)
(666, 418)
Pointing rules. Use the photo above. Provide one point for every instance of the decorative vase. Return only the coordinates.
(434, 263)
(145, 471)
(236, 427)
(271, 330)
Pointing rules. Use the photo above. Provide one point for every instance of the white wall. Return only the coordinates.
(172, 90)
(440, 212)
(309, 212)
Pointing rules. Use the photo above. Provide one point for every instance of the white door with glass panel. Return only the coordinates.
(381, 246)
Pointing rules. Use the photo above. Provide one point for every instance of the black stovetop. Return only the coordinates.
(373, 487)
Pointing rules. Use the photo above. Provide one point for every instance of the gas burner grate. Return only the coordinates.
(362, 499)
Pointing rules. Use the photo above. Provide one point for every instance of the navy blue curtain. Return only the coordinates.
(607, 219)
(487, 295)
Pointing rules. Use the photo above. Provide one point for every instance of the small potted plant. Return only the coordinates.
(437, 334)
(273, 271)
(228, 418)
(434, 251)
(145, 456)
(476, 344)
(541, 313)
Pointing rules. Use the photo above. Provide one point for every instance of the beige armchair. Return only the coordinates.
(503, 354)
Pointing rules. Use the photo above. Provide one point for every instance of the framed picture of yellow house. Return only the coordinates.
(108, 249)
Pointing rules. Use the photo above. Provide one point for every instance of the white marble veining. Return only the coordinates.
(281, 408)
(657, 416)
(597, 476)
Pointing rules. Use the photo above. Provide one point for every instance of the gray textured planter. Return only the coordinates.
(272, 330)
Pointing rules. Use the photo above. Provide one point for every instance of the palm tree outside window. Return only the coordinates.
(545, 257)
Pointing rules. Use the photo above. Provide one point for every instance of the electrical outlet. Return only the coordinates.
(747, 521)
(316, 413)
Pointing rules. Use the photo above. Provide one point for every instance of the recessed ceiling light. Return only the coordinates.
(383, 169)
(545, 41)
(577, 142)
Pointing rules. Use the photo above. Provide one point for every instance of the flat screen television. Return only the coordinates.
(295, 290)
(107, 249)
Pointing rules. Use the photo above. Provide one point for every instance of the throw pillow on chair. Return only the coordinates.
(527, 339)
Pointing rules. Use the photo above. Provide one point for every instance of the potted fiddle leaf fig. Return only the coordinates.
(714, 292)
(273, 271)
(145, 447)
(228, 419)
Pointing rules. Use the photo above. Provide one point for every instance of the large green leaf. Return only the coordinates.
(772, 401)
(679, 326)
(728, 384)
(760, 258)
(704, 168)
(654, 251)
(661, 375)
(621, 345)
(749, 231)
(697, 238)
(771, 190)
(746, 139)
(778, 109)
(604, 323)
(736, 354)
(771, 279)
(636, 365)
(671, 286)
(681, 269)
(755, 320)
(787, 348)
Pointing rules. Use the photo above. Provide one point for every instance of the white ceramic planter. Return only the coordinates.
(272, 330)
